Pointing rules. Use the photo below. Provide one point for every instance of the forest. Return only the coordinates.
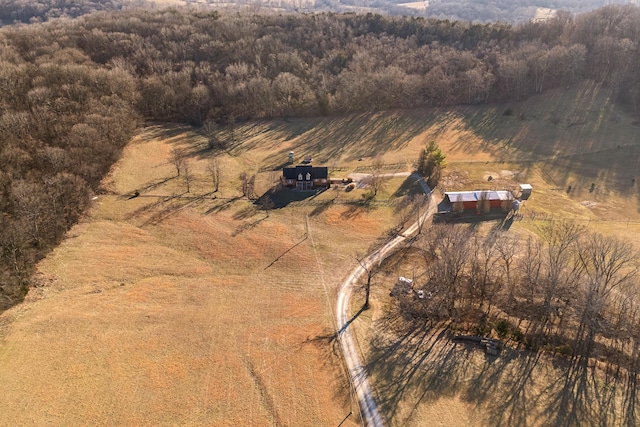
(29, 11)
(73, 91)
(477, 11)
(516, 11)
(567, 291)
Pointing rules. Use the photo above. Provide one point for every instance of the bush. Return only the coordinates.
(502, 328)
(518, 336)
(564, 350)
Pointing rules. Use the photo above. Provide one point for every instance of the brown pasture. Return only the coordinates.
(200, 308)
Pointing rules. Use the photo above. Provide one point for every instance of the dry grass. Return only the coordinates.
(196, 309)
(169, 308)
(560, 139)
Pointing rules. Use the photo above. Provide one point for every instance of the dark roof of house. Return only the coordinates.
(317, 172)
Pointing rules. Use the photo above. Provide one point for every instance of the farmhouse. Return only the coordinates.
(473, 199)
(306, 177)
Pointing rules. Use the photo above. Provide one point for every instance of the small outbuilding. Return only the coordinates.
(525, 191)
(306, 177)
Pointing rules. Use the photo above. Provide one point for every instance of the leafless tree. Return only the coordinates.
(266, 203)
(371, 270)
(561, 267)
(213, 167)
(376, 181)
(211, 131)
(449, 246)
(30, 205)
(608, 264)
(251, 188)
(531, 268)
(186, 175)
(484, 204)
(507, 248)
(483, 283)
(177, 158)
(244, 183)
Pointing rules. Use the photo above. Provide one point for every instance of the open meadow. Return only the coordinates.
(168, 307)
(582, 157)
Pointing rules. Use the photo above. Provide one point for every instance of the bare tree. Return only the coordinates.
(177, 157)
(371, 270)
(244, 183)
(483, 283)
(484, 204)
(186, 175)
(211, 131)
(266, 203)
(507, 248)
(449, 246)
(561, 267)
(30, 206)
(608, 264)
(213, 167)
(531, 269)
(251, 188)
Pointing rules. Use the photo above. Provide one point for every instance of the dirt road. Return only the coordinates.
(356, 369)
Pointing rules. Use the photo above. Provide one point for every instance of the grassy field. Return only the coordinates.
(569, 138)
(191, 308)
(201, 309)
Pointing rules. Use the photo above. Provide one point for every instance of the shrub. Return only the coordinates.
(502, 328)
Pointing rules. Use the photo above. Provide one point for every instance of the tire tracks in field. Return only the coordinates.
(265, 397)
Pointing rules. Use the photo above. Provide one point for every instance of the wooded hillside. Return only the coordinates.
(73, 91)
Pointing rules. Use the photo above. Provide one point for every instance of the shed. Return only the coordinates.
(525, 191)
(472, 199)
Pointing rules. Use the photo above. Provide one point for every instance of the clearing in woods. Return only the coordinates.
(201, 309)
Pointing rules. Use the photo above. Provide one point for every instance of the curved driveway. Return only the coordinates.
(356, 369)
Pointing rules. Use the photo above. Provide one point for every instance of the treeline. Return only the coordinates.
(63, 123)
(71, 90)
(26, 11)
(516, 11)
(569, 291)
(194, 66)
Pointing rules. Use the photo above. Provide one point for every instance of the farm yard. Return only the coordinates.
(167, 307)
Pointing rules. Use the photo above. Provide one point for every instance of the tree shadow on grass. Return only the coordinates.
(329, 346)
(306, 236)
(356, 208)
(419, 363)
(174, 204)
(281, 197)
(226, 204)
(409, 187)
(322, 207)
(248, 225)
(149, 186)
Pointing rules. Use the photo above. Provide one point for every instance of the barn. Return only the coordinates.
(306, 177)
(473, 199)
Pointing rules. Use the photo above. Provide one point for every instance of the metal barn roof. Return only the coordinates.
(474, 196)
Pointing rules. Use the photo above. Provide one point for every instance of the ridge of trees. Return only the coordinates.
(73, 91)
(483, 11)
(517, 11)
(31, 11)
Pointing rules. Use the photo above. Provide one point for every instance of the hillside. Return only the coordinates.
(198, 308)
(158, 292)
(484, 11)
